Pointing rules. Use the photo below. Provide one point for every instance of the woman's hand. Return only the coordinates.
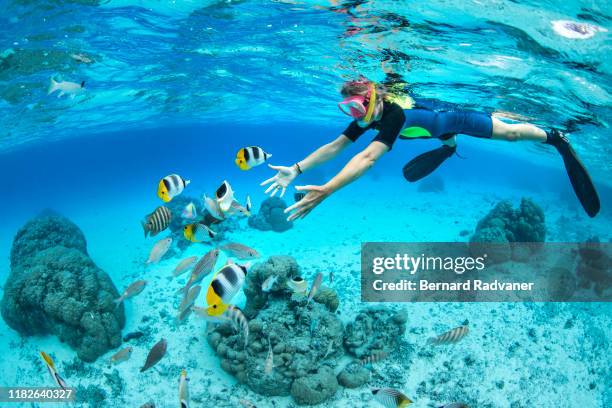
(283, 178)
(314, 197)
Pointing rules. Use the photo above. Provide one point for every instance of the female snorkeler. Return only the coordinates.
(373, 106)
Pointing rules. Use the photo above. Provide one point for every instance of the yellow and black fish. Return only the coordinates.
(224, 286)
(198, 232)
(157, 221)
(390, 398)
(249, 157)
(171, 186)
(51, 367)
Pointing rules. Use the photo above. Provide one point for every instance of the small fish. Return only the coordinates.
(236, 316)
(213, 208)
(159, 250)
(198, 232)
(248, 204)
(390, 398)
(51, 367)
(298, 285)
(184, 399)
(224, 286)
(330, 347)
(157, 353)
(190, 212)
(204, 266)
(267, 285)
(331, 277)
(224, 196)
(249, 157)
(122, 355)
(236, 207)
(81, 58)
(269, 365)
(315, 287)
(298, 196)
(374, 358)
(454, 405)
(171, 186)
(65, 87)
(149, 404)
(184, 265)
(157, 221)
(450, 337)
(189, 298)
(246, 403)
(183, 315)
(240, 251)
(132, 290)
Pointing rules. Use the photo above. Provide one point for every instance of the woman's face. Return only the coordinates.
(376, 116)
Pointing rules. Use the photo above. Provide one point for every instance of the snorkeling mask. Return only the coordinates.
(360, 107)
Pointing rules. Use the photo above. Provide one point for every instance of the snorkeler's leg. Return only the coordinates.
(577, 173)
(514, 132)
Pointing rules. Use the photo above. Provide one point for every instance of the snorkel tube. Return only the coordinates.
(371, 104)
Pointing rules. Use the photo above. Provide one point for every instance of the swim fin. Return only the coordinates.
(578, 175)
(425, 163)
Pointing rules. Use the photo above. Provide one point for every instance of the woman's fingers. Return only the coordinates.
(307, 188)
(294, 206)
(279, 168)
(283, 192)
(275, 191)
(268, 181)
(272, 186)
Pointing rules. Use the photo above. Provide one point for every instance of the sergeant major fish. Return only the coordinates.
(159, 250)
(51, 367)
(171, 186)
(65, 87)
(157, 221)
(132, 290)
(184, 399)
(251, 156)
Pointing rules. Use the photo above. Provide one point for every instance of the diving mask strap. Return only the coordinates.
(371, 104)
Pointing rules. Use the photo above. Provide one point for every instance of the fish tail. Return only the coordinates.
(118, 301)
(52, 87)
(144, 227)
(186, 182)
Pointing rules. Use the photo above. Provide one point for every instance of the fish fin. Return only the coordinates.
(118, 301)
(60, 381)
(52, 87)
(211, 233)
(186, 182)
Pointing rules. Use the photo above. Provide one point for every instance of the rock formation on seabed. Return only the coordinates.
(55, 288)
(307, 340)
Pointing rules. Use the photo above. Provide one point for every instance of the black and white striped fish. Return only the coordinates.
(171, 186)
(157, 221)
(239, 321)
(390, 398)
(224, 286)
(249, 157)
(374, 358)
(450, 337)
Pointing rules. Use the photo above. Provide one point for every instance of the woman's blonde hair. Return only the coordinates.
(361, 86)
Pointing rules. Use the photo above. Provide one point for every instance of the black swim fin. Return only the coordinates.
(578, 175)
(425, 163)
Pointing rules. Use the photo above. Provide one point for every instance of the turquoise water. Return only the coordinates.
(179, 87)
